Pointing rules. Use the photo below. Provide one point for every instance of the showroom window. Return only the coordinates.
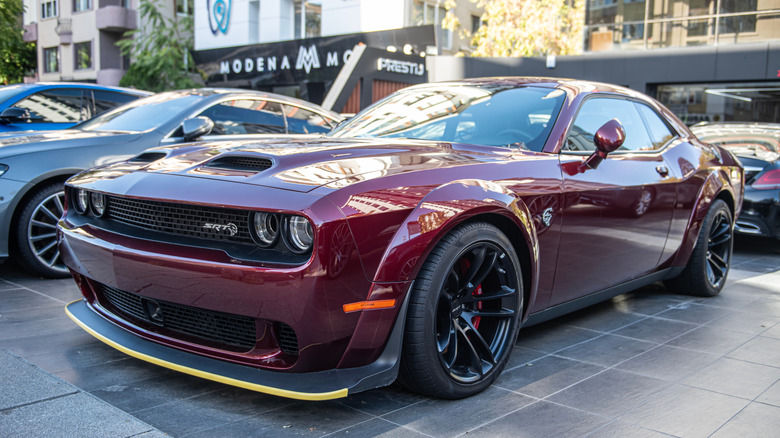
(82, 5)
(308, 18)
(49, 9)
(724, 102)
(83, 54)
(51, 60)
(424, 12)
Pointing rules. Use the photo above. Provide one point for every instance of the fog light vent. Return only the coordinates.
(288, 341)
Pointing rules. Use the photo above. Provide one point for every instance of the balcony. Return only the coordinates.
(30, 33)
(65, 30)
(113, 18)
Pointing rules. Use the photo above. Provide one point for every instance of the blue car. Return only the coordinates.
(57, 105)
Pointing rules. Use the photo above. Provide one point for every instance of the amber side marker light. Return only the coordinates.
(368, 305)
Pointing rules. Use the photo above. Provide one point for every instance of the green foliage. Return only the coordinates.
(525, 27)
(16, 57)
(158, 51)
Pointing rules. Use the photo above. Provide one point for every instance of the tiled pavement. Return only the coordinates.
(645, 364)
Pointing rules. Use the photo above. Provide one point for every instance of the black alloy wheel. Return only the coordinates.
(709, 264)
(463, 315)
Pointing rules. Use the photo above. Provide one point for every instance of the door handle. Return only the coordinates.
(662, 170)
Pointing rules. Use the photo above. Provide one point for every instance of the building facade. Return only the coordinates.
(76, 39)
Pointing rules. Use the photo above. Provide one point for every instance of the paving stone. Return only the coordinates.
(24, 383)
(735, 377)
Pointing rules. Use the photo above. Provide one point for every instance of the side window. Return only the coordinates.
(53, 106)
(303, 121)
(660, 134)
(246, 116)
(106, 100)
(595, 112)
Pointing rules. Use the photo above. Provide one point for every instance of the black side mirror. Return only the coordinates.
(196, 127)
(15, 115)
(608, 138)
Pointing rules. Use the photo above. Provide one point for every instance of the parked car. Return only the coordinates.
(45, 106)
(33, 167)
(412, 242)
(758, 147)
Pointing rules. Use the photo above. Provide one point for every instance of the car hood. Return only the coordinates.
(306, 164)
(45, 140)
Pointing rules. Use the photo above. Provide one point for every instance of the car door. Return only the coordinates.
(616, 217)
(52, 109)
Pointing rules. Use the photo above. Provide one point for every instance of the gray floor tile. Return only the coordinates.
(685, 412)
(735, 377)
(546, 376)
(772, 395)
(668, 363)
(603, 317)
(76, 357)
(773, 332)
(38, 385)
(610, 393)
(455, 417)
(761, 350)
(756, 420)
(711, 340)
(693, 313)
(607, 350)
(145, 394)
(655, 330)
(62, 416)
(37, 327)
(622, 430)
(119, 372)
(522, 356)
(377, 427)
(383, 401)
(542, 419)
(747, 322)
(553, 336)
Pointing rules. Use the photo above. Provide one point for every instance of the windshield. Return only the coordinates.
(9, 91)
(484, 115)
(143, 114)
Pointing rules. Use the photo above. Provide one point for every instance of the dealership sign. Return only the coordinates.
(219, 15)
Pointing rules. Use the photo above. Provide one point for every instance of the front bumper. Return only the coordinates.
(322, 385)
(760, 214)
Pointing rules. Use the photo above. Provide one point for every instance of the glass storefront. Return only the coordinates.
(651, 24)
(728, 102)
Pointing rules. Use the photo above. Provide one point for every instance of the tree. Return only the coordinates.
(524, 27)
(16, 57)
(160, 53)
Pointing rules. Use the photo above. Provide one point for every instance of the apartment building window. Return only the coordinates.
(82, 5)
(185, 7)
(51, 60)
(308, 18)
(431, 13)
(83, 54)
(49, 9)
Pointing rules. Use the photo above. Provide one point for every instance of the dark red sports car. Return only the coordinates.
(412, 242)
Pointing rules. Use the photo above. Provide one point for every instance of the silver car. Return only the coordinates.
(33, 167)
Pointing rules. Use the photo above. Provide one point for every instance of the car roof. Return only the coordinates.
(48, 85)
(237, 92)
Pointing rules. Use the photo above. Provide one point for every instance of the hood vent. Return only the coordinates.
(243, 164)
(147, 157)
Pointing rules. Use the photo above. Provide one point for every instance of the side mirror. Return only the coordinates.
(608, 138)
(196, 127)
(15, 115)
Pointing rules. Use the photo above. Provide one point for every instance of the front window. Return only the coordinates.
(54, 106)
(49, 9)
(51, 60)
(82, 5)
(143, 114)
(185, 7)
(511, 116)
(83, 54)
(432, 12)
(308, 18)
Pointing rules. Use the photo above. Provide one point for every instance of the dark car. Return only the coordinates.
(47, 106)
(411, 242)
(758, 147)
(34, 166)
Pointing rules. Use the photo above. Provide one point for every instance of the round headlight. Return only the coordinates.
(266, 228)
(82, 201)
(98, 202)
(300, 235)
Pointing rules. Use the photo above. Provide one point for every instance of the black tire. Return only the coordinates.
(464, 314)
(707, 269)
(35, 234)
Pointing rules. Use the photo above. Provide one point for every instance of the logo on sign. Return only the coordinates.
(219, 15)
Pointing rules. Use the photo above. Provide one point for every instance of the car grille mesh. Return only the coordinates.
(233, 332)
(288, 341)
(247, 164)
(190, 220)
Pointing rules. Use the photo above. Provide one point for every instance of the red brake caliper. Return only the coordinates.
(475, 320)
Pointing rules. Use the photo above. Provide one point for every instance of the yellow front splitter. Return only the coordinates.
(322, 385)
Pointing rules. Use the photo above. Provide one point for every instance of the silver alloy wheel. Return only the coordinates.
(42, 232)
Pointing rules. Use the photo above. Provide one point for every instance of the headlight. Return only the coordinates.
(300, 234)
(3, 169)
(82, 201)
(98, 202)
(265, 229)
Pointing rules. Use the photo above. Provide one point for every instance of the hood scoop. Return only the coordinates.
(147, 157)
(239, 163)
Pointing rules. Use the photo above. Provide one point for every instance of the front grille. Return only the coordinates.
(189, 220)
(232, 332)
(288, 341)
(247, 164)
